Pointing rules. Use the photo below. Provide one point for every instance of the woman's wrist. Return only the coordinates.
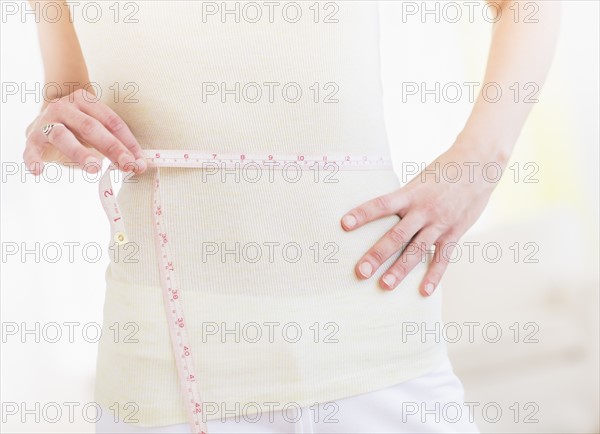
(483, 149)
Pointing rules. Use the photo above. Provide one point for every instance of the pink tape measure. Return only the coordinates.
(180, 340)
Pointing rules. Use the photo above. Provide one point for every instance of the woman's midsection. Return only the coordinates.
(235, 233)
(269, 253)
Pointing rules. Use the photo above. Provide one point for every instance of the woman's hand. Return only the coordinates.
(90, 130)
(436, 208)
(438, 212)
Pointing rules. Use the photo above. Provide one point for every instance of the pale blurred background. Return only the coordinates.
(552, 383)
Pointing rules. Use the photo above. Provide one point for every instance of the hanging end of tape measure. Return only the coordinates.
(120, 238)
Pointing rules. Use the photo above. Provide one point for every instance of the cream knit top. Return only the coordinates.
(276, 314)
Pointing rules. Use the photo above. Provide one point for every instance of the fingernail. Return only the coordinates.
(91, 164)
(141, 163)
(365, 269)
(429, 288)
(124, 160)
(389, 280)
(36, 167)
(349, 221)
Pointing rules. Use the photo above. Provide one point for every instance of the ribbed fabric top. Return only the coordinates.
(171, 60)
(275, 312)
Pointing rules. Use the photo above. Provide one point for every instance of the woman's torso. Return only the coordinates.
(187, 76)
(248, 250)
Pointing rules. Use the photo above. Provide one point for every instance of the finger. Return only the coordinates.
(32, 155)
(62, 139)
(115, 125)
(393, 241)
(415, 252)
(31, 125)
(437, 267)
(92, 132)
(388, 204)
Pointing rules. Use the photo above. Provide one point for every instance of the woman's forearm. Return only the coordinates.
(64, 65)
(519, 59)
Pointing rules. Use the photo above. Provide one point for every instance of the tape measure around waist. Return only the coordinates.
(209, 161)
(173, 305)
(195, 159)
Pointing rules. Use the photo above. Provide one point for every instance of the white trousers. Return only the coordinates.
(432, 403)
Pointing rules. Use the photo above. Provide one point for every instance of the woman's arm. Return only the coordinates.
(85, 129)
(435, 211)
(61, 53)
(520, 52)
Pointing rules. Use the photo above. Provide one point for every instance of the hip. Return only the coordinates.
(395, 409)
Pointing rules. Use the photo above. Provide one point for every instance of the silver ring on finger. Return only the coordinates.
(48, 127)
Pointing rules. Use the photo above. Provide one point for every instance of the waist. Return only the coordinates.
(255, 233)
(251, 196)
